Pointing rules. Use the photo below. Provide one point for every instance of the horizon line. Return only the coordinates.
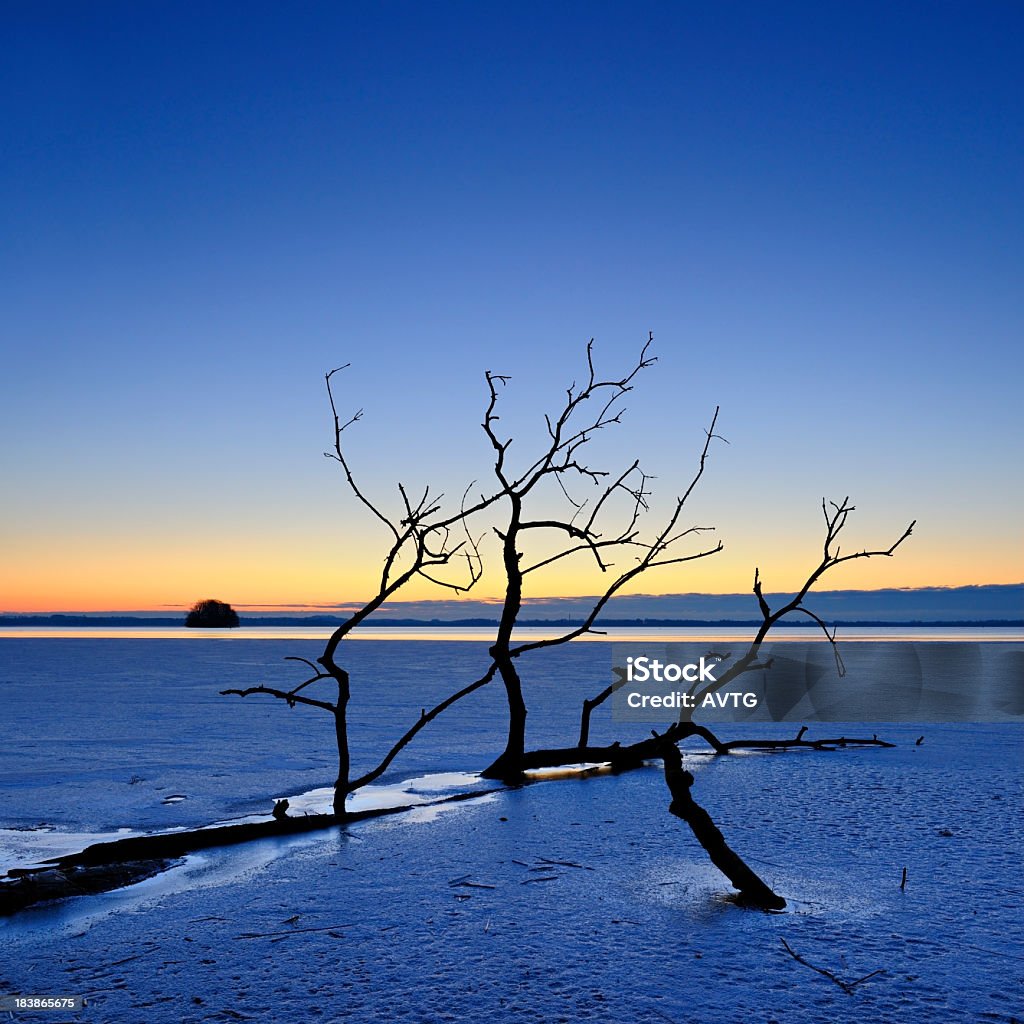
(270, 607)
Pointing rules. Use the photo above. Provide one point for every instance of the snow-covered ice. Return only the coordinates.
(569, 900)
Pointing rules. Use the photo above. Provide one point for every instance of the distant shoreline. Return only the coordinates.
(405, 623)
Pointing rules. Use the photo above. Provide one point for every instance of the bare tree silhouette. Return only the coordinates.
(583, 530)
(425, 543)
(587, 527)
(609, 529)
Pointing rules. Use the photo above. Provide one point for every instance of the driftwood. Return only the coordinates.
(106, 866)
(28, 887)
(799, 741)
(752, 889)
(634, 755)
(103, 867)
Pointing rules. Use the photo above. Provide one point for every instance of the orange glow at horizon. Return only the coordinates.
(116, 578)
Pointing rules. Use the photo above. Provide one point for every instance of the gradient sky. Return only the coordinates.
(817, 208)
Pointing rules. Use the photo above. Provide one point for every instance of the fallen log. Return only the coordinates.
(799, 741)
(103, 867)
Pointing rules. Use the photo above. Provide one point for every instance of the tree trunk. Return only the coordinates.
(508, 766)
(341, 786)
(753, 891)
(619, 756)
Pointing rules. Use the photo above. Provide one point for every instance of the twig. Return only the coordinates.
(846, 986)
(290, 931)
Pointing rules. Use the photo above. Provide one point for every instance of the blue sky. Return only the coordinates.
(817, 208)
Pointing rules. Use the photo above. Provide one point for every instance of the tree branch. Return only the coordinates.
(290, 698)
(425, 718)
(846, 986)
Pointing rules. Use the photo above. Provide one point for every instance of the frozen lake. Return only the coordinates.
(108, 731)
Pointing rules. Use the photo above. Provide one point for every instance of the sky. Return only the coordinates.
(816, 208)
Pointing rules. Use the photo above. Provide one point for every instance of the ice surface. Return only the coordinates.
(589, 902)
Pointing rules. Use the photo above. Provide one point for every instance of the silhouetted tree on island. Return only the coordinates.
(211, 614)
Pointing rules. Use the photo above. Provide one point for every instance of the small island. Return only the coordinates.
(211, 614)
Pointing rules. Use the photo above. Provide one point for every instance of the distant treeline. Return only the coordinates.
(329, 620)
